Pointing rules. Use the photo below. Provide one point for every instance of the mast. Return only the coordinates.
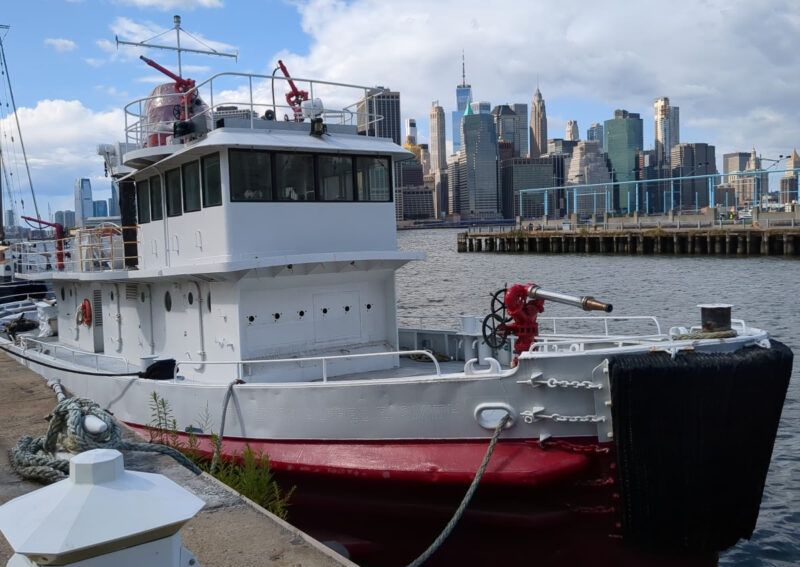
(19, 130)
(178, 29)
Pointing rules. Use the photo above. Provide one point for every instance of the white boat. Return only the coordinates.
(251, 286)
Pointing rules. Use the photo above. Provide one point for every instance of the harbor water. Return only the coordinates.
(765, 292)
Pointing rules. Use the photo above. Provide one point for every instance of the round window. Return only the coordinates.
(190, 298)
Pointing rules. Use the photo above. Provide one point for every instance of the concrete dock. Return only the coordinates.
(230, 531)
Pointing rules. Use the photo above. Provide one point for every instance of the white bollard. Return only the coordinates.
(101, 515)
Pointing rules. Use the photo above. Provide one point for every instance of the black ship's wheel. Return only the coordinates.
(495, 330)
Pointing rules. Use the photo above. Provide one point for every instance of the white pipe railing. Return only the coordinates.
(54, 348)
(240, 364)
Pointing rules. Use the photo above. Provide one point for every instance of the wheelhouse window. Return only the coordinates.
(374, 179)
(143, 201)
(172, 179)
(191, 186)
(251, 175)
(294, 177)
(212, 188)
(336, 178)
(156, 204)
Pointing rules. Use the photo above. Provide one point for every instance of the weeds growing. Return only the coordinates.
(249, 474)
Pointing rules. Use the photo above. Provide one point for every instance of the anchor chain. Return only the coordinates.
(586, 384)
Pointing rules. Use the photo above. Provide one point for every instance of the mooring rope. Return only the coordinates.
(705, 335)
(218, 447)
(34, 458)
(448, 529)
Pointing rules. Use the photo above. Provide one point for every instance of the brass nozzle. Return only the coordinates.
(591, 304)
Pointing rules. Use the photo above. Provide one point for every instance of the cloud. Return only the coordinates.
(61, 45)
(166, 5)
(61, 138)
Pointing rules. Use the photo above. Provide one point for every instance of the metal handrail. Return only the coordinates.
(324, 359)
(96, 249)
(41, 345)
(137, 128)
(605, 320)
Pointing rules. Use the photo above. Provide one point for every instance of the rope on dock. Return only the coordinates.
(35, 458)
(448, 529)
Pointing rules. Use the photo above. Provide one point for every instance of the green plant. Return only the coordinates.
(249, 475)
(163, 428)
(253, 478)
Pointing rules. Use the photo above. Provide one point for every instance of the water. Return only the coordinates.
(763, 291)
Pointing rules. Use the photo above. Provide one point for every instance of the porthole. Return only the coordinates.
(208, 301)
(190, 298)
(251, 318)
(301, 313)
(276, 316)
(167, 301)
(324, 310)
(369, 306)
(346, 308)
(63, 294)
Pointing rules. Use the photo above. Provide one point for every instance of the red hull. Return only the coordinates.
(386, 502)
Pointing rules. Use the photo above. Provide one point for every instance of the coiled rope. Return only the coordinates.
(448, 529)
(34, 458)
(705, 335)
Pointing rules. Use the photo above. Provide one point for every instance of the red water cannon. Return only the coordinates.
(59, 238)
(295, 96)
(182, 86)
(515, 309)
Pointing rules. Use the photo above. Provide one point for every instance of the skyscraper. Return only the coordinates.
(84, 206)
(667, 129)
(623, 139)
(113, 202)
(595, 132)
(538, 125)
(411, 132)
(521, 143)
(463, 96)
(100, 208)
(689, 160)
(788, 183)
(506, 123)
(478, 190)
(437, 138)
(481, 107)
(572, 131)
(438, 159)
(384, 103)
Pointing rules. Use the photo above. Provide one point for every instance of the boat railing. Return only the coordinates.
(77, 357)
(554, 322)
(251, 99)
(241, 365)
(96, 249)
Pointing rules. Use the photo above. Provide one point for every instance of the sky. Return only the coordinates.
(731, 66)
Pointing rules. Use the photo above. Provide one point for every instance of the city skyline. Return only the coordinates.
(584, 72)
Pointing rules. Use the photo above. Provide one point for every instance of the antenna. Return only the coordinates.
(178, 29)
(463, 70)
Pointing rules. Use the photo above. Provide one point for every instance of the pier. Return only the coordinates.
(697, 235)
(229, 530)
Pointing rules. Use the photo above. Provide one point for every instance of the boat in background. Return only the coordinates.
(251, 285)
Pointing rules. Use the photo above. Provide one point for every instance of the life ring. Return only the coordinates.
(84, 313)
